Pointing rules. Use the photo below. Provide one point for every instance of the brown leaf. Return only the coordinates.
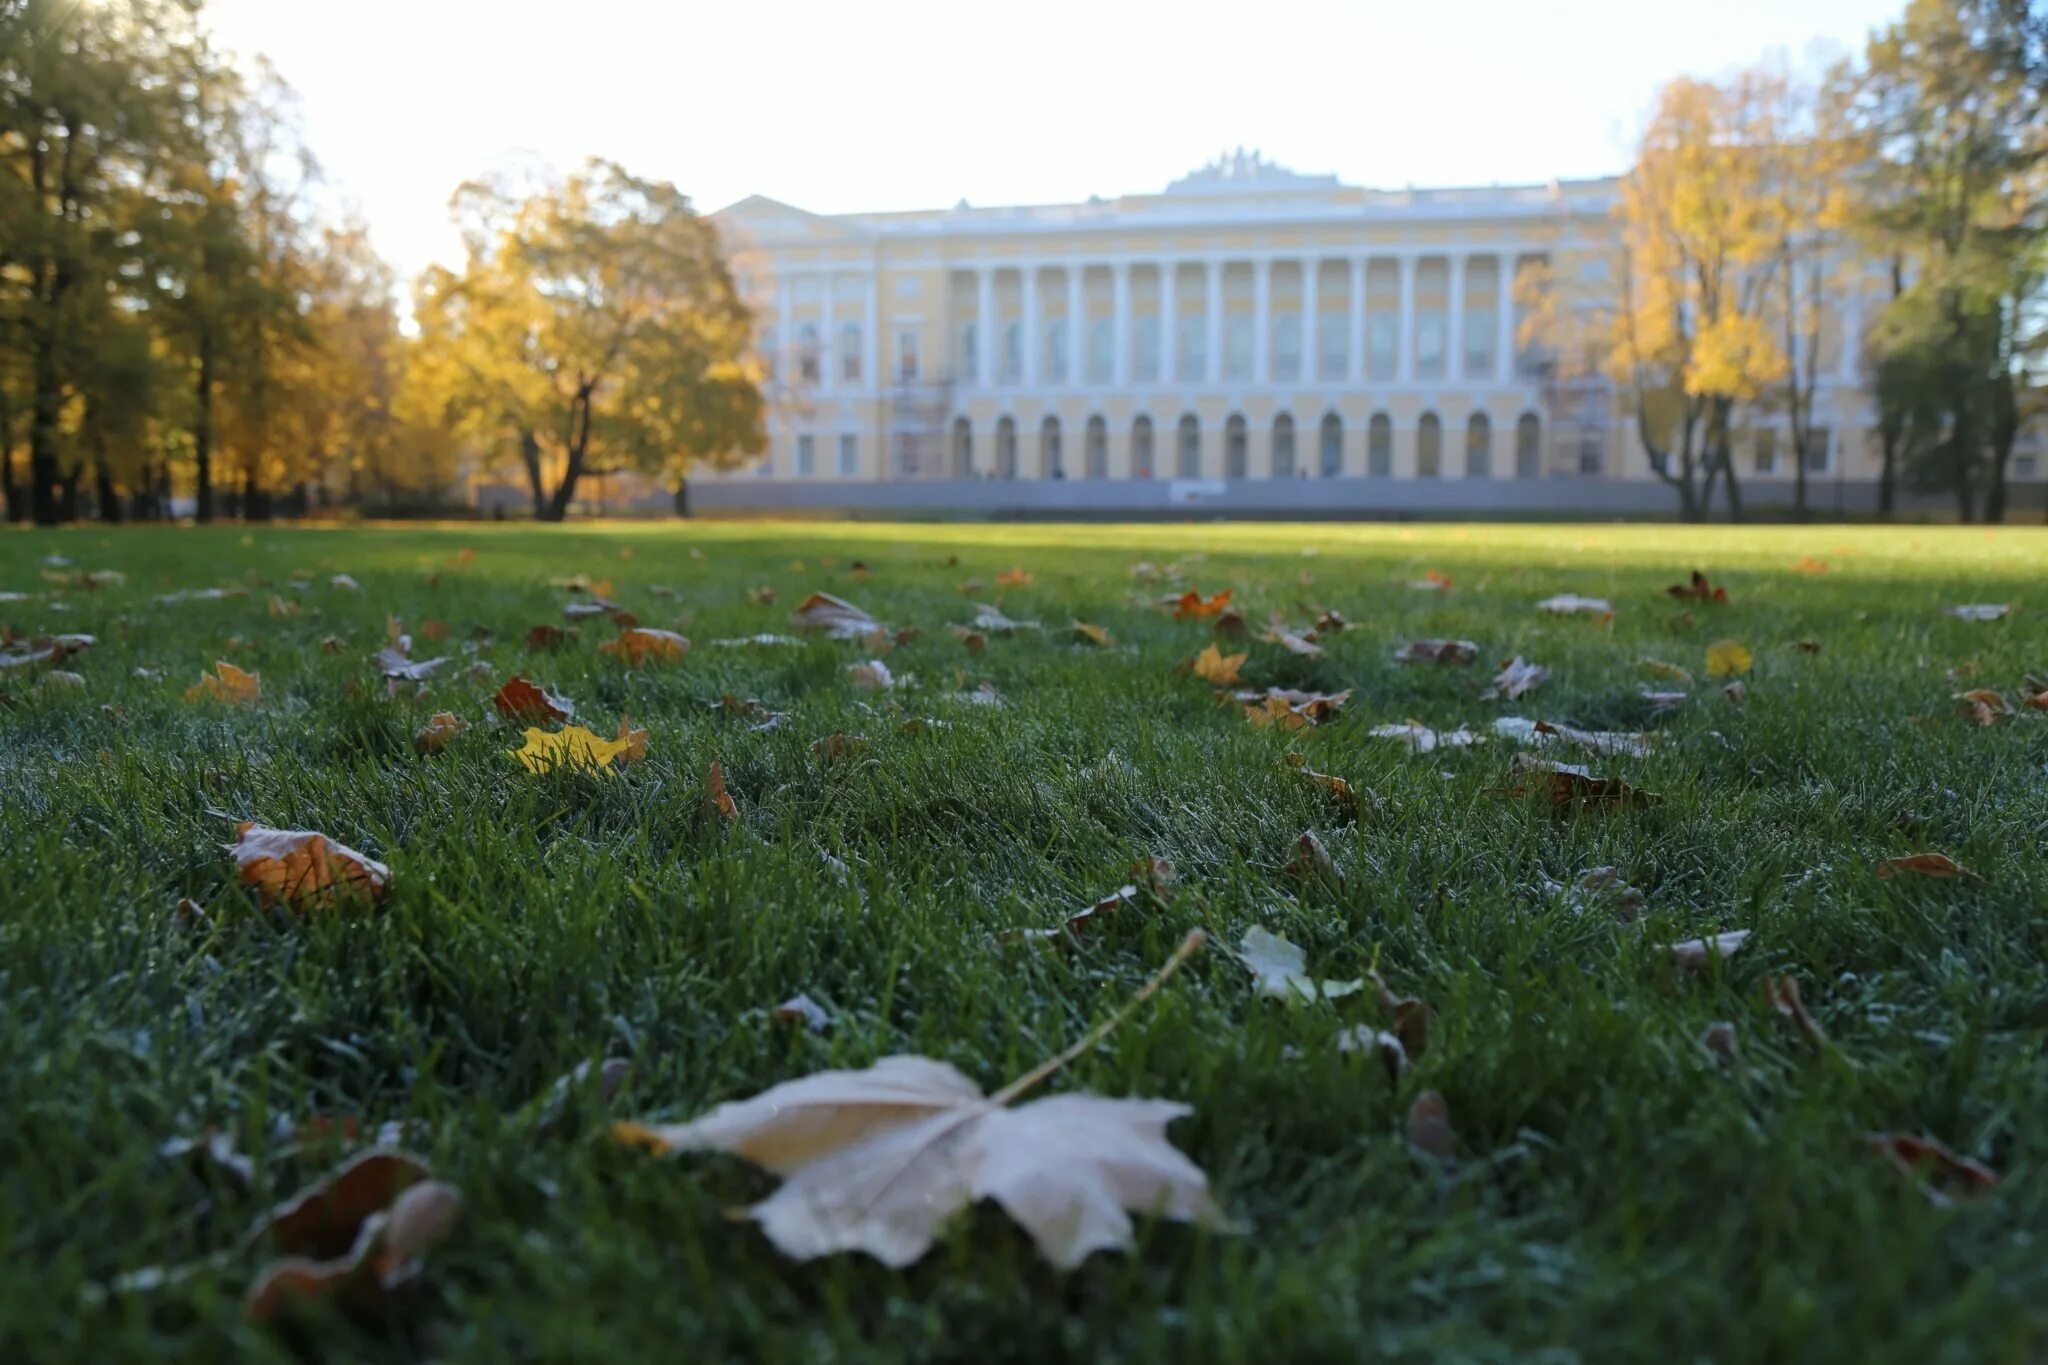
(1081, 921)
(634, 740)
(1290, 709)
(1943, 1175)
(1455, 653)
(1192, 605)
(1569, 784)
(801, 1009)
(322, 1220)
(1698, 589)
(1783, 993)
(1329, 622)
(1311, 861)
(1093, 634)
(639, 644)
(1013, 578)
(721, 800)
(972, 640)
(1292, 643)
(1925, 864)
(1719, 1039)
(838, 618)
(1213, 665)
(521, 700)
(1429, 1126)
(834, 747)
(295, 867)
(1339, 790)
(441, 727)
(382, 1255)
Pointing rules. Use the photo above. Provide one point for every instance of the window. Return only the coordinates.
(1098, 448)
(969, 367)
(1379, 447)
(1590, 458)
(1148, 351)
(1333, 344)
(1767, 450)
(807, 353)
(1283, 447)
(905, 447)
(1049, 462)
(849, 353)
(1479, 324)
(1429, 343)
(1380, 333)
(1013, 352)
(1101, 350)
(1478, 446)
(1189, 458)
(963, 449)
(906, 355)
(806, 456)
(1528, 446)
(1237, 348)
(1056, 353)
(1333, 445)
(1141, 448)
(1820, 450)
(1234, 448)
(1429, 447)
(849, 456)
(1287, 347)
(1194, 348)
(1006, 449)
(2023, 466)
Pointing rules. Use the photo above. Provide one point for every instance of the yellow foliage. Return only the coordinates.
(572, 746)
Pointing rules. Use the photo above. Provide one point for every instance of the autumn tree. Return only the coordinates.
(593, 326)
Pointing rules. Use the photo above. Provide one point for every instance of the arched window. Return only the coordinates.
(1333, 445)
(1141, 448)
(1478, 446)
(1429, 446)
(1098, 448)
(1529, 446)
(1049, 463)
(1234, 452)
(1006, 449)
(963, 449)
(1283, 447)
(1379, 446)
(1189, 448)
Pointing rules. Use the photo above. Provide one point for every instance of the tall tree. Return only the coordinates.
(594, 326)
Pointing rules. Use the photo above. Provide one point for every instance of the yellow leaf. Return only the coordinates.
(1727, 658)
(1094, 635)
(573, 745)
(634, 740)
(296, 865)
(226, 684)
(641, 643)
(1213, 665)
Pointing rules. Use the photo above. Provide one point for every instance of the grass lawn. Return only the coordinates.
(1617, 1191)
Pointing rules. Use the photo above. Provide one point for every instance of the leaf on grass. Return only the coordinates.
(1364, 1038)
(226, 684)
(1420, 739)
(1719, 1040)
(1280, 968)
(836, 617)
(1571, 604)
(1013, 578)
(1783, 993)
(279, 607)
(1604, 742)
(1456, 653)
(838, 745)
(546, 636)
(1601, 888)
(1942, 1175)
(1292, 643)
(878, 1160)
(634, 740)
(1925, 865)
(441, 727)
(298, 866)
(1695, 954)
(519, 699)
(1193, 606)
(1569, 784)
(1728, 659)
(1429, 1127)
(1657, 668)
(992, 621)
(384, 1247)
(1289, 709)
(1516, 677)
(596, 606)
(395, 667)
(1338, 789)
(643, 643)
(1093, 634)
(801, 1009)
(345, 583)
(1214, 666)
(715, 792)
(762, 641)
(873, 675)
(1984, 706)
(1662, 701)
(1698, 589)
(1312, 862)
(1082, 921)
(1981, 611)
(572, 747)
(1432, 581)
(1808, 564)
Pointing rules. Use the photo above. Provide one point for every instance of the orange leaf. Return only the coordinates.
(441, 727)
(641, 643)
(1926, 864)
(294, 865)
(1192, 605)
(226, 684)
(519, 699)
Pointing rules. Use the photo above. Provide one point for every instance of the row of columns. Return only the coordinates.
(828, 342)
(986, 328)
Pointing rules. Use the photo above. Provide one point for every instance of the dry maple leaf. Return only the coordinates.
(1280, 968)
(226, 684)
(395, 667)
(1081, 921)
(1925, 864)
(838, 745)
(1312, 862)
(1516, 676)
(546, 636)
(992, 621)
(873, 675)
(1456, 653)
(1698, 589)
(572, 747)
(1694, 954)
(1569, 784)
(1339, 790)
(836, 617)
(1093, 634)
(441, 727)
(1728, 659)
(1657, 668)
(643, 643)
(634, 740)
(1602, 888)
(1571, 604)
(298, 866)
(519, 699)
(1192, 605)
(1432, 581)
(1604, 742)
(1984, 706)
(715, 792)
(1288, 708)
(1214, 666)
(1013, 578)
(1942, 1174)
(1292, 643)
(382, 1255)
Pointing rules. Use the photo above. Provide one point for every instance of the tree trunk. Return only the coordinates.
(202, 435)
(529, 454)
(572, 469)
(255, 500)
(42, 432)
(105, 495)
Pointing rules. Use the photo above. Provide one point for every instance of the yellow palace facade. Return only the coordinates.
(1250, 338)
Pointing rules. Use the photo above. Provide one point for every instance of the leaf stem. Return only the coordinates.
(1189, 946)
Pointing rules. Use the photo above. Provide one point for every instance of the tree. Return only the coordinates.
(594, 326)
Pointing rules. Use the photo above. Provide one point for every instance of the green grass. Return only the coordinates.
(1618, 1195)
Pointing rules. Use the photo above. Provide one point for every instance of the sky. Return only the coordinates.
(853, 105)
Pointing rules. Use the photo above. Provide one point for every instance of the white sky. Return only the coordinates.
(842, 105)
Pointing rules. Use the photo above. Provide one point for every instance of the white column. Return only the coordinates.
(1213, 321)
(1120, 326)
(1852, 325)
(871, 341)
(985, 328)
(1169, 332)
(828, 345)
(1077, 302)
(1454, 334)
(1262, 332)
(1504, 329)
(1311, 367)
(1354, 360)
(1404, 339)
(1031, 345)
(785, 330)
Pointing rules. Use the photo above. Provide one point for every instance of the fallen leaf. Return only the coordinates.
(1311, 861)
(873, 675)
(280, 607)
(1602, 888)
(1925, 864)
(1807, 646)
(714, 790)
(1735, 690)
(1192, 605)
(836, 746)
(1694, 954)
(1214, 666)
(573, 746)
(1657, 668)
(1292, 643)
(226, 684)
(519, 699)
(1571, 604)
(1429, 1127)
(1727, 659)
(297, 866)
(1516, 677)
(393, 665)
(1719, 1040)
(762, 596)
(1279, 968)
(1942, 1174)
(1094, 635)
(1984, 706)
(1783, 993)
(1290, 709)
(1339, 790)
(1363, 1038)
(1452, 652)
(877, 1160)
(1013, 578)
(441, 727)
(1420, 739)
(1432, 581)
(1808, 564)
(836, 617)
(1981, 611)
(642, 643)
(634, 740)
(383, 1253)
(1081, 921)
(1604, 742)
(1698, 589)
(345, 583)
(1569, 784)
(993, 622)
(801, 1009)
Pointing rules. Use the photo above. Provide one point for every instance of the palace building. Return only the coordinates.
(1248, 339)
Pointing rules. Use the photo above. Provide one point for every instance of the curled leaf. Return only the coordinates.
(519, 699)
(836, 617)
(441, 727)
(1280, 968)
(297, 867)
(1923, 864)
(642, 644)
